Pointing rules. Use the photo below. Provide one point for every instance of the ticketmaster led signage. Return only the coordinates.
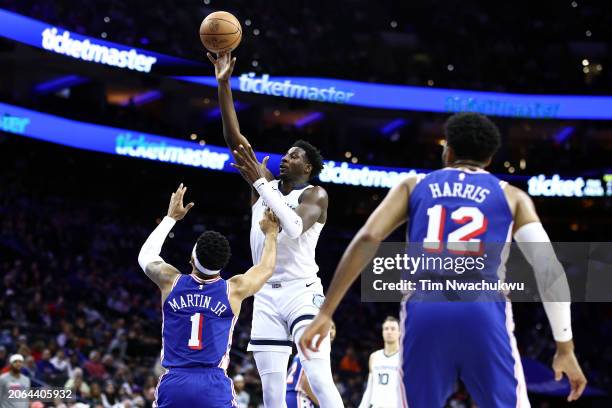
(400, 97)
(86, 50)
(325, 90)
(88, 136)
(60, 41)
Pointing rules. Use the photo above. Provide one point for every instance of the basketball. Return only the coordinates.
(220, 32)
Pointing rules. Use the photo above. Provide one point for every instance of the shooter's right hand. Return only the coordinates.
(224, 65)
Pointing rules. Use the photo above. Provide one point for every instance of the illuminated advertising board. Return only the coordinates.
(88, 136)
(326, 90)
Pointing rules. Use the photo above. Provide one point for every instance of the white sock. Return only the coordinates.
(272, 368)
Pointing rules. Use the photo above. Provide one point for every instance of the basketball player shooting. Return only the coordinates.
(200, 309)
(293, 295)
(470, 340)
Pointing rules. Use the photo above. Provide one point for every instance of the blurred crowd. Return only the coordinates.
(519, 46)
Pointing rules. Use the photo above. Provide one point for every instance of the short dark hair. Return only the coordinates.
(213, 250)
(391, 319)
(314, 157)
(472, 136)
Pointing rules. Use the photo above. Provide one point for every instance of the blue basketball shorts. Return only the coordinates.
(472, 341)
(195, 387)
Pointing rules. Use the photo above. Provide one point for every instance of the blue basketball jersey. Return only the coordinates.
(458, 212)
(198, 324)
(295, 374)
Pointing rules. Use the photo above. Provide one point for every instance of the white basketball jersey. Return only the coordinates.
(385, 380)
(295, 258)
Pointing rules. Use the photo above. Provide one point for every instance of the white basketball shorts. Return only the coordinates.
(280, 308)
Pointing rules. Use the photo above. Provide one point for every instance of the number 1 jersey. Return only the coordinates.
(197, 324)
(460, 213)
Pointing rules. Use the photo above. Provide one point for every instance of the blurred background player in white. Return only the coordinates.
(299, 392)
(294, 294)
(479, 335)
(382, 390)
(13, 381)
(199, 310)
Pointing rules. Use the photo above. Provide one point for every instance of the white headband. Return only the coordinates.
(199, 266)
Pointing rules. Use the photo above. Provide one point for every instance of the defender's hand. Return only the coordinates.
(176, 209)
(317, 329)
(269, 224)
(224, 65)
(566, 362)
(248, 165)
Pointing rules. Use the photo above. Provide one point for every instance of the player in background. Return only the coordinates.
(13, 381)
(383, 390)
(294, 294)
(199, 310)
(299, 392)
(474, 341)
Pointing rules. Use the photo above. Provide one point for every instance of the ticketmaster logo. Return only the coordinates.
(558, 187)
(364, 176)
(266, 86)
(88, 51)
(128, 145)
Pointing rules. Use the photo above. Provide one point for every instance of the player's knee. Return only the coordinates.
(271, 362)
(273, 390)
(324, 348)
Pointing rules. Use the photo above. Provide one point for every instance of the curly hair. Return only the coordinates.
(314, 157)
(213, 250)
(472, 136)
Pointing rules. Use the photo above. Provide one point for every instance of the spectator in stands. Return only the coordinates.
(77, 384)
(61, 363)
(242, 397)
(75, 361)
(109, 364)
(349, 362)
(95, 394)
(45, 370)
(29, 367)
(110, 397)
(65, 335)
(94, 368)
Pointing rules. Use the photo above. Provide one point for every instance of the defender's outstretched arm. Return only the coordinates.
(249, 283)
(160, 272)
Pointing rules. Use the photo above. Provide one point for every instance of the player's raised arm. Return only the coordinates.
(249, 283)
(389, 215)
(535, 245)
(150, 261)
(224, 66)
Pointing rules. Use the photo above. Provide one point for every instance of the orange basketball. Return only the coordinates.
(220, 32)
